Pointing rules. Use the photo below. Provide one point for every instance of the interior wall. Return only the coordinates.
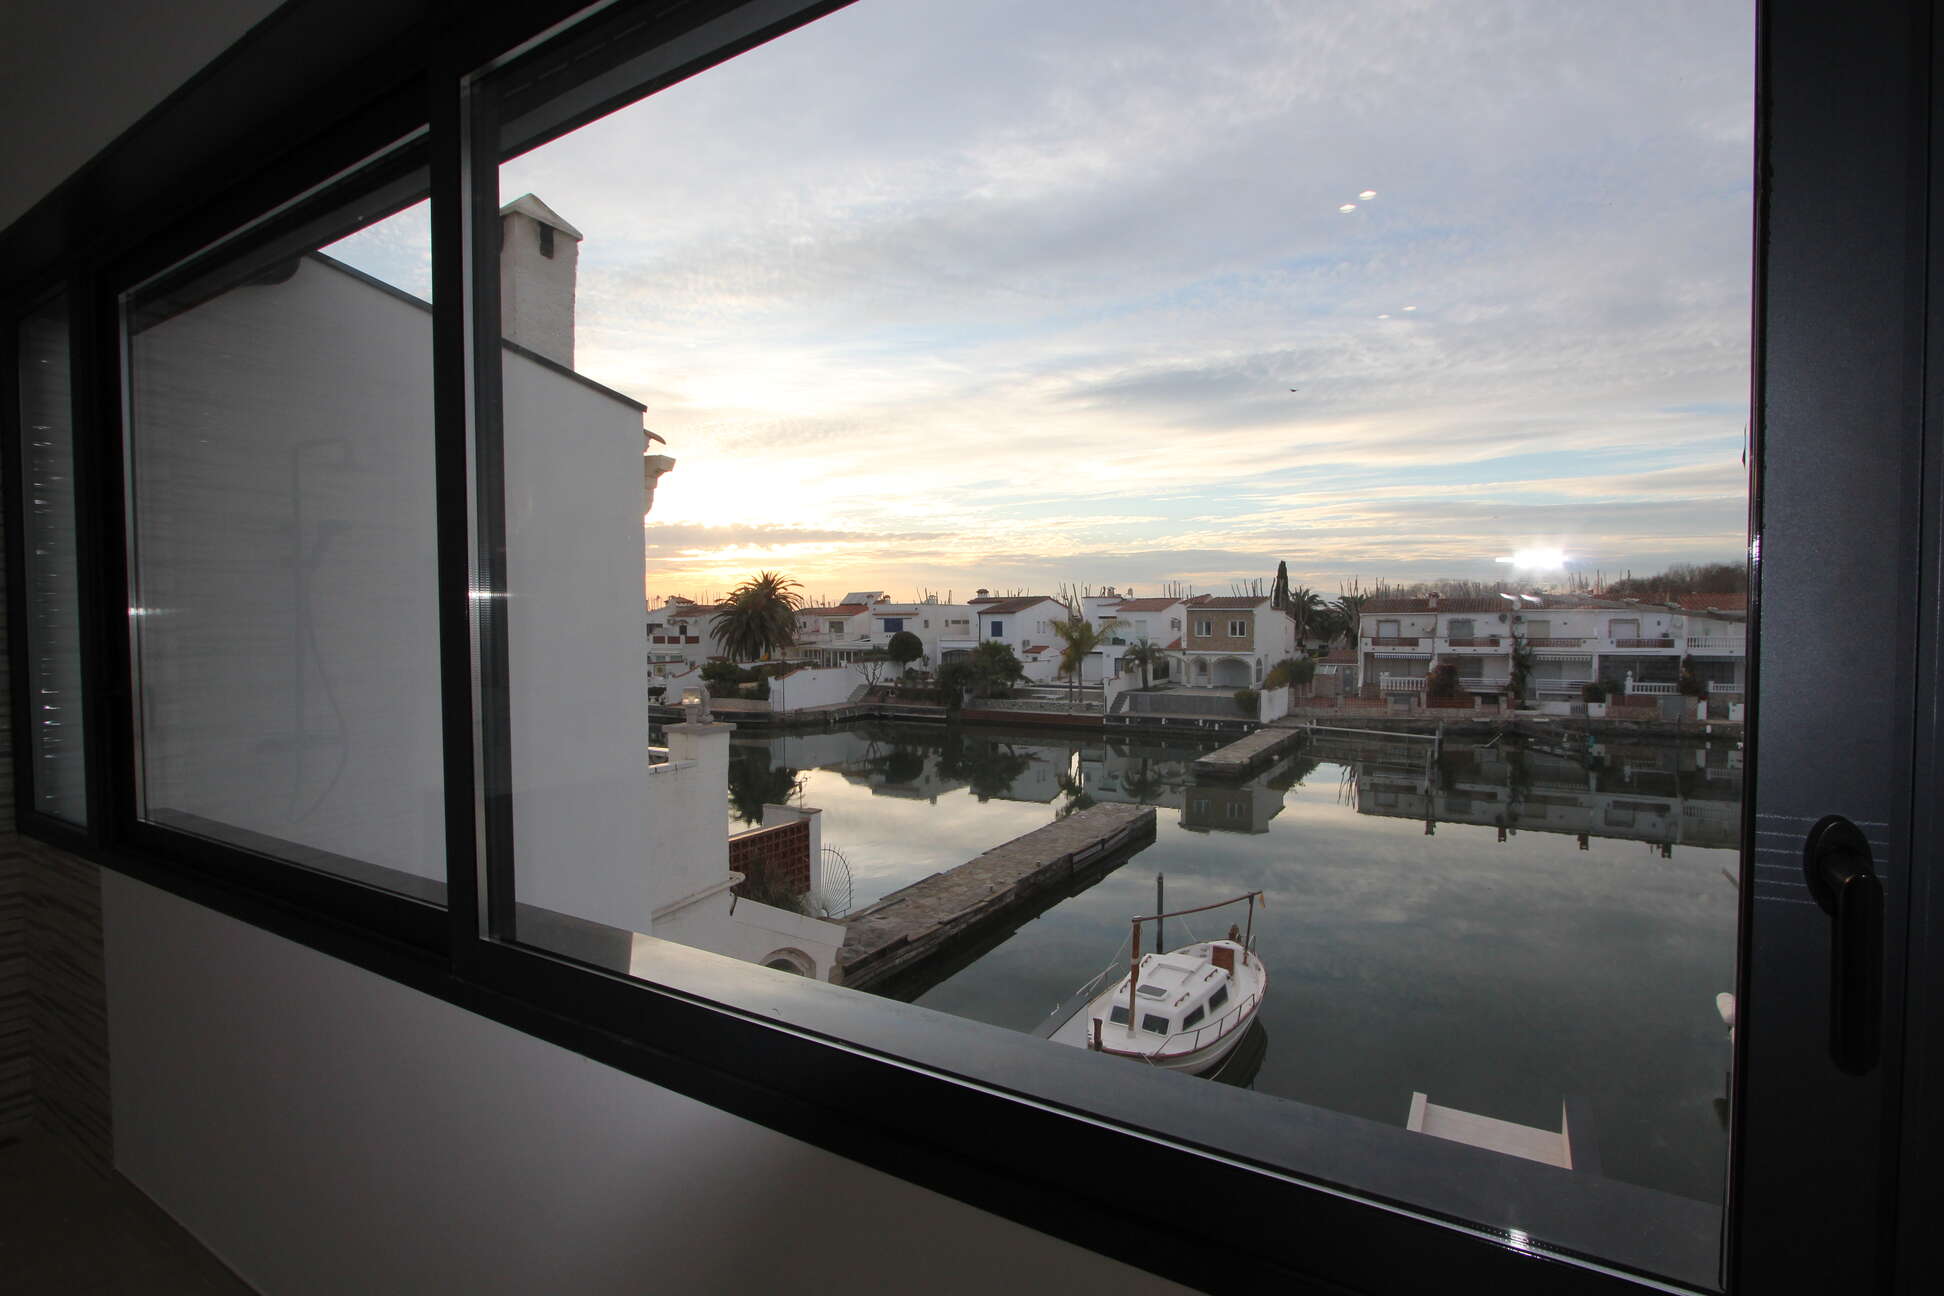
(322, 1129)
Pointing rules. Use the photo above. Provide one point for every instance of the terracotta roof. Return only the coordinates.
(1231, 601)
(1492, 604)
(1175, 646)
(1146, 604)
(1007, 606)
(1712, 602)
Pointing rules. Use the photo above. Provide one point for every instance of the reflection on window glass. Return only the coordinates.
(1054, 414)
(284, 605)
(53, 663)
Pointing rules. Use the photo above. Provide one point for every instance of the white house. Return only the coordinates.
(1574, 640)
(1024, 624)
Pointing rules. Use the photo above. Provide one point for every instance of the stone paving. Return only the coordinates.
(927, 917)
(1244, 754)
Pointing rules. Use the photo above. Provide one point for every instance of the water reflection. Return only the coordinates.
(1562, 936)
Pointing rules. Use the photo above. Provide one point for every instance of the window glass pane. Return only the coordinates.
(1172, 379)
(53, 663)
(284, 603)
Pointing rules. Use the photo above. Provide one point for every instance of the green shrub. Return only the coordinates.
(1594, 692)
(1246, 699)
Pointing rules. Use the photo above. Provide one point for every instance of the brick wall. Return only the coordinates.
(772, 859)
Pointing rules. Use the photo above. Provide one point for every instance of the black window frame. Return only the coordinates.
(842, 1073)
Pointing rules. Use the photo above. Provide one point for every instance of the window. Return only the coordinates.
(1238, 629)
(998, 630)
(1204, 627)
(1219, 998)
(148, 490)
(893, 624)
(280, 495)
(1154, 1023)
(45, 504)
(1194, 1018)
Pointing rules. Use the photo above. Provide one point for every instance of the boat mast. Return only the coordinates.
(1133, 975)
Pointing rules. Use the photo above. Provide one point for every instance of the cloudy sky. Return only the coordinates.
(936, 295)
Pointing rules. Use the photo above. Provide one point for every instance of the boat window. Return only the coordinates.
(1193, 1019)
(1119, 1015)
(1155, 1023)
(1219, 998)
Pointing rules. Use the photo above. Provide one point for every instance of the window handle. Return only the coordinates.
(1837, 863)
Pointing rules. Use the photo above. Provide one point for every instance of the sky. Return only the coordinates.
(931, 296)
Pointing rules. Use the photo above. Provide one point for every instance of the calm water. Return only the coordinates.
(1497, 972)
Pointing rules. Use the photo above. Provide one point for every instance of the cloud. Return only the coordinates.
(974, 296)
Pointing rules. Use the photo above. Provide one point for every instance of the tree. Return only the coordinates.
(1303, 604)
(759, 618)
(1079, 637)
(994, 667)
(1279, 595)
(1146, 654)
(1290, 672)
(1350, 608)
(1442, 682)
(904, 649)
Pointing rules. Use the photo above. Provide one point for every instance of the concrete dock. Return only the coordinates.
(898, 945)
(1245, 754)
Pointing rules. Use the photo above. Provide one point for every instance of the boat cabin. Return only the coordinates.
(1177, 992)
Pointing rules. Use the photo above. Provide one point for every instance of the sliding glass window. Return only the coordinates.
(932, 462)
(57, 750)
(282, 612)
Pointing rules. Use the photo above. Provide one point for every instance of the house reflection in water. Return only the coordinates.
(1662, 794)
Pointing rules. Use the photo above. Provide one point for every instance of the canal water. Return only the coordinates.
(1498, 929)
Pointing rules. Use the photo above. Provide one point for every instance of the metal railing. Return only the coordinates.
(1648, 689)
(1717, 644)
(1221, 1026)
(1396, 641)
(1724, 686)
(1555, 641)
(1643, 643)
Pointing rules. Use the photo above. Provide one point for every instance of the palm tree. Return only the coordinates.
(1350, 607)
(1304, 602)
(1146, 654)
(759, 618)
(1078, 637)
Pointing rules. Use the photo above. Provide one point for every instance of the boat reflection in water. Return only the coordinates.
(1243, 1065)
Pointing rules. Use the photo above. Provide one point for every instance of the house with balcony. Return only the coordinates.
(1231, 641)
(940, 627)
(1572, 641)
(681, 636)
(833, 634)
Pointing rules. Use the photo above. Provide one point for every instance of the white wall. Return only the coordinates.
(323, 1130)
(816, 687)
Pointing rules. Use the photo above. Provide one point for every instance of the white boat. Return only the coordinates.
(1184, 1010)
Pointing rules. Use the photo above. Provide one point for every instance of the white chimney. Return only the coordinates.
(539, 255)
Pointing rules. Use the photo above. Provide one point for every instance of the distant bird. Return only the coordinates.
(1295, 389)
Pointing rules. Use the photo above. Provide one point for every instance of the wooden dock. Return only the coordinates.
(1239, 758)
(899, 944)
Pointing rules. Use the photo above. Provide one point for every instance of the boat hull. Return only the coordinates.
(1192, 1055)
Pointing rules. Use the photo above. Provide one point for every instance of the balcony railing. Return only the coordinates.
(1485, 641)
(1401, 683)
(1643, 643)
(1648, 689)
(1396, 641)
(1554, 641)
(1717, 644)
(1724, 686)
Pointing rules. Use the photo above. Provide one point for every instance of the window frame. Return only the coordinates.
(849, 1077)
